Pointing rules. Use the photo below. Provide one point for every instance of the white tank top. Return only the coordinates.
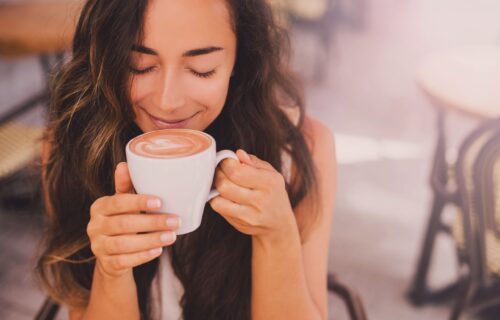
(167, 290)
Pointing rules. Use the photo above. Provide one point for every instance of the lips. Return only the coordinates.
(169, 121)
(169, 124)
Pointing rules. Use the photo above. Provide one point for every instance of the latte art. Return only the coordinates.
(170, 143)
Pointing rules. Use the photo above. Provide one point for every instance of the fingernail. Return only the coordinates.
(167, 236)
(155, 251)
(154, 203)
(173, 222)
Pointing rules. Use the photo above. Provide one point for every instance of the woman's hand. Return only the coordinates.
(120, 236)
(253, 197)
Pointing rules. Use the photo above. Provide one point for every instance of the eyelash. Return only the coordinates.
(144, 71)
(204, 74)
(198, 74)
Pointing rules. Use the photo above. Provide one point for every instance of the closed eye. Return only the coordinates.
(196, 73)
(141, 71)
(203, 74)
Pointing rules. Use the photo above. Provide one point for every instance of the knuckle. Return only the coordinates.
(90, 229)
(114, 202)
(118, 262)
(122, 225)
(223, 186)
(93, 248)
(94, 226)
(95, 207)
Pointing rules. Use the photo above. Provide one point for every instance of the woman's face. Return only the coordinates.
(180, 73)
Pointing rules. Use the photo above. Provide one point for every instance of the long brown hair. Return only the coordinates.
(91, 120)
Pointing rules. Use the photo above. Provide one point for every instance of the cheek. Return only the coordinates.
(140, 87)
(211, 93)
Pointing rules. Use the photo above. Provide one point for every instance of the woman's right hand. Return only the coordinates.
(120, 236)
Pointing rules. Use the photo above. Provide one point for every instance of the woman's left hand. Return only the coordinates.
(253, 197)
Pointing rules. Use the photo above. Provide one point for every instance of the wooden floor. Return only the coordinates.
(385, 136)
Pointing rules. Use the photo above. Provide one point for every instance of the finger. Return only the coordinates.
(232, 191)
(238, 224)
(135, 223)
(138, 242)
(130, 260)
(230, 209)
(123, 183)
(245, 175)
(241, 217)
(244, 157)
(125, 203)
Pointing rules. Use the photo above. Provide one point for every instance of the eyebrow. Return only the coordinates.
(189, 53)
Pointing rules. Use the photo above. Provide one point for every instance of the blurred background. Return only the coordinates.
(402, 84)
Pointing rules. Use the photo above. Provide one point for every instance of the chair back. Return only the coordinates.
(470, 227)
(487, 195)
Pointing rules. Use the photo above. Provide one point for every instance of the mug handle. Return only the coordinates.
(221, 155)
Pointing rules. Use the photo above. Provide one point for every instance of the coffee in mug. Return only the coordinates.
(178, 166)
(170, 143)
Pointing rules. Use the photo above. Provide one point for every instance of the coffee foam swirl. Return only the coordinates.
(170, 143)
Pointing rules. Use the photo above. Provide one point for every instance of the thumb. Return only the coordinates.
(123, 183)
(244, 157)
(253, 161)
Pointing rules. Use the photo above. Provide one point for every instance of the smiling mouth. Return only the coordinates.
(170, 121)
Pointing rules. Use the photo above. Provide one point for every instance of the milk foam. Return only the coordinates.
(170, 143)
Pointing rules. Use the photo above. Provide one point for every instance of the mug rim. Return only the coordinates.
(212, 145)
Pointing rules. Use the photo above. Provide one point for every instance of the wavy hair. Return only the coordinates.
(91, 120)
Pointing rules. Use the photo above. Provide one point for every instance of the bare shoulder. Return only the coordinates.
(321, 142)
(316, 238)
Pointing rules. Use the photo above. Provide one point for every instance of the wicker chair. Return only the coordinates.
(466, 230)
(477, 229)
(44, 29)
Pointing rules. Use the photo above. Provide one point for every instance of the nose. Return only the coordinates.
(170, 94)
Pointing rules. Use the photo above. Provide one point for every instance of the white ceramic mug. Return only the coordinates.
(182, 183)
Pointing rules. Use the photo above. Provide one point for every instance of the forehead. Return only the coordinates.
(187, 24)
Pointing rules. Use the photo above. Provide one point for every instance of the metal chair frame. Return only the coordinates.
(470, 270)
(443, 195)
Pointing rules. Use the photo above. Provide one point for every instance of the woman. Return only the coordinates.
(212, 65)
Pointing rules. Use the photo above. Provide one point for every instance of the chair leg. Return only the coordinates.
(418, 290)
(418, 293)
(48, 311)
(351, 299)
(466, 294)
